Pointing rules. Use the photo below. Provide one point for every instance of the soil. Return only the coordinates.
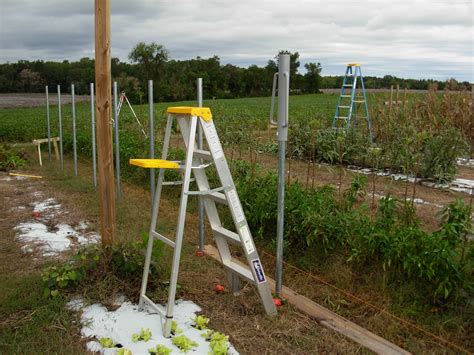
(36, 100)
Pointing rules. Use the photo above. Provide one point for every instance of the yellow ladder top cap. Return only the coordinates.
(154, 163)
(204, 112)
(353, 65)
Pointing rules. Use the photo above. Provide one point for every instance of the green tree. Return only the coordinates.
(312, 77)
(151, 59)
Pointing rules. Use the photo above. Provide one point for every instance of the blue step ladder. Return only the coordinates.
(351, 95)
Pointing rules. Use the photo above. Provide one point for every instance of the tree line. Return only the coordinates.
(175, 80)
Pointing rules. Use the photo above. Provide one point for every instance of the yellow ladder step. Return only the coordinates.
(204, 112)
(155, 163)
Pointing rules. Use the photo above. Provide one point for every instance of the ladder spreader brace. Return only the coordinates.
(188, 118)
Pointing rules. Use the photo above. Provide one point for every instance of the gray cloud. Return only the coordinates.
(420, 39)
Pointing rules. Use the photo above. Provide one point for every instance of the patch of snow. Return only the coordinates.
(51, 243)
(465, 162)
(119, 325)
(49, 203)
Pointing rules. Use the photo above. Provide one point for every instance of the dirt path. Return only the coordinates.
(36, 100)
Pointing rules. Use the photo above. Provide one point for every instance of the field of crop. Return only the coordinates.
(410, 242)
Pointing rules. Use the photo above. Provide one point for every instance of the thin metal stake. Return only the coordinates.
(94, 155)
(117, 145)
(152, 139)
(48, 122)
(61, 152)
(74, 140)
(199, 144)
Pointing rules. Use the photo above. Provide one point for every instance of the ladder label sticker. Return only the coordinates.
(213, 140)
(247, 239)
(235, 205)
(257, 266)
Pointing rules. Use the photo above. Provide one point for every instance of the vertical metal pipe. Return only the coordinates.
(199, 144)
(61, 152)
(152, 139)
(94, 155)
(74, 140)
(282, 137)
(117, 145)
(48, 122)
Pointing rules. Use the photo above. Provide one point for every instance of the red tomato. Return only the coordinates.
(277, 302)
(219, 288)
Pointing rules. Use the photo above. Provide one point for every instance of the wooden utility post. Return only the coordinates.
(104, 119)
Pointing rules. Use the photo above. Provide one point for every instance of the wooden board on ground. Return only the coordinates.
(326, 317)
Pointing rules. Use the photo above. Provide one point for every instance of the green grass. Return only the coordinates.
(32, 324)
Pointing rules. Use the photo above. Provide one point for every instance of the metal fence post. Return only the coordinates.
(152, 139)
(74, 139)
(48, 122)
(94, 155)
(61, 152)
(282, 137)
(117, 145)
(199, 143)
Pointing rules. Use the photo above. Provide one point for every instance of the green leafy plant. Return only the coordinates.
(107, 342)
(56, 278)
(9, 159)
(124, 351)
(160, 350)
(184, 343)
(201, 322)
(174, 328)
(144, 335)
(219, 344)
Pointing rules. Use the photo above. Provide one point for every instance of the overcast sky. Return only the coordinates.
(417, 39)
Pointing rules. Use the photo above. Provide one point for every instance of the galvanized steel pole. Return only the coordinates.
(94, 155)
(199, 144)
(117, 145)
(74, 140)
(152, 139)
(282, 137)
(48, 122)
(61, 152)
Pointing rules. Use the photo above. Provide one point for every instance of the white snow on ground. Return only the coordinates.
(48, 204)
(465, 162)
(119, 325)
(51, 243)
(460, 185)
(56, 240)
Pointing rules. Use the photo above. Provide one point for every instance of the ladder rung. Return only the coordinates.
(344, 106)
(227, 234)
(163, 239)
(342, 117)
(242, 271)
(216, 196)
(173, 183)
(346, 95)
(206, 192)
(203, 154)
(153, 305)
(359, 101)
(348, 85)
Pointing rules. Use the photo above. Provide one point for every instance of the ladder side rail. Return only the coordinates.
(154, 216)
(238, 216)
(353, 108)
(334, 121)
(180, 228)
(209, 205)
(369, 124)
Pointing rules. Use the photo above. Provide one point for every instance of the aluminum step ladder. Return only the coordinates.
(196, 161)
(350, 96)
